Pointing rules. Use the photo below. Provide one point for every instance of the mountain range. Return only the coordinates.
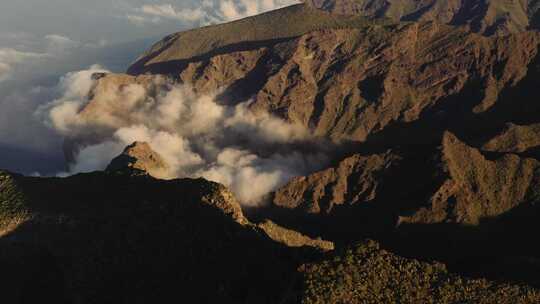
(431, 194)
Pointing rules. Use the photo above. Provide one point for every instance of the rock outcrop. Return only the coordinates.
(139, 158)
(460, 185)
(354, 181)
(293, 238)
(523, 139)
(477, 188)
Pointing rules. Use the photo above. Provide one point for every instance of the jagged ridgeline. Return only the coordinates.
(112, 237)
(432, 107)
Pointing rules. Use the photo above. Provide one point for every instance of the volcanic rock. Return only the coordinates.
(139, 158)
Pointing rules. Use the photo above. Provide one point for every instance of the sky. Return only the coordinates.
(41, 42)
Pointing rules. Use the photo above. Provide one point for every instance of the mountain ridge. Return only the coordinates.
(440, 161)
(491, 17)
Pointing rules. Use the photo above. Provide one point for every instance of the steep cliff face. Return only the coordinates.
(139, 158)
(477, 188)
(354, 181)
(350, 83)
(455, 184)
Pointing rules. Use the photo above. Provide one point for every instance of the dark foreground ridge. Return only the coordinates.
(116, 238)
(113, 238)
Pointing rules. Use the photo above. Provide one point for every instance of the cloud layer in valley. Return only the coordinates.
(30, 67)
(196, 136)
(226, 144)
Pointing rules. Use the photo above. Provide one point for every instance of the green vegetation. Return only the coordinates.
(12, 207)
(368, 274)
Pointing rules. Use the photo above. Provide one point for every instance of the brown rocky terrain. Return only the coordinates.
(293, 238)
(352, 82)
(139, 157)
(514, 138)
(476, 188)
(354, 181)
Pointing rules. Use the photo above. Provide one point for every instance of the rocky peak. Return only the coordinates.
(140, 158)
(222, 198)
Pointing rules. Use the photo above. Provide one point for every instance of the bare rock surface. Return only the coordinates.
(293, 238)
(139, 157)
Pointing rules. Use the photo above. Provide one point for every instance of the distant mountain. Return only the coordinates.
(489, 17)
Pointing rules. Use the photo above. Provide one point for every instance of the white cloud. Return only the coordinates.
(141, 20)
(43, 50)
(11, 58)
(59, 44)
(230, 10)
(208, 12)
(251, 153)
(170, 12)
(30, 66)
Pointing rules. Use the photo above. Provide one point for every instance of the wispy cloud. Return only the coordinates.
(30, 66)
(170, 12)
(208, 12)
(10, 58)
(58, 43)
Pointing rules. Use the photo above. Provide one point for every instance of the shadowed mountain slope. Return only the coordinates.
(114, 238)
(366, 274)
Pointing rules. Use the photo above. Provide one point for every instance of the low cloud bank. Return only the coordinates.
(252, 154)
(30, 66)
